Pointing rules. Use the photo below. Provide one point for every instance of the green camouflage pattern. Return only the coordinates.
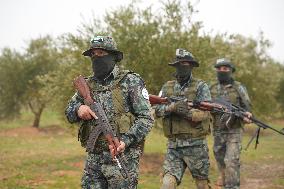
(135, 100)
(194, 157)
(183, 55)
(203, 94)
(225, 62)
(235, 93)
(106, 43)
(102, 172)
(103, 42)
(227, 141)
(227, 149)
(186, 152)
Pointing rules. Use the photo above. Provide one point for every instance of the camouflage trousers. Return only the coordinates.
(227, 150)
(101, 172)
(195, 157)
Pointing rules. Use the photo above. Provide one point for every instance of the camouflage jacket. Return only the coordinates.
(135, 100)
(202, 94)
(235, 93)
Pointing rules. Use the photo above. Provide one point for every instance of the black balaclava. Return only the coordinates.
(225, 77)
(103, 65)
(183, 73)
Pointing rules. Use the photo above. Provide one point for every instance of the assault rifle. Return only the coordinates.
(102, 127)
(241, 113)
(201, 105)
(221, 106)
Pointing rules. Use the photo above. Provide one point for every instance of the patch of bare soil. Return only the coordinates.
(34, 183)
(151, 163)
(79, 165)
(62, 173)
(29, 131)
(279, 122)
(262, 175)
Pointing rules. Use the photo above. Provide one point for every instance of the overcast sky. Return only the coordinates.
(21, 20)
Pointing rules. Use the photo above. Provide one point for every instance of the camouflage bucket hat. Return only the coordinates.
(106, 43)
(183, 55)
(224, 62)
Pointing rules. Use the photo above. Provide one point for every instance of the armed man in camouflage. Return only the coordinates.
(185, 128)
(124, 98)
(228, 130)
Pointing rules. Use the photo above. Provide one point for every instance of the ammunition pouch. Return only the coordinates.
(175, 126)
(124, 122)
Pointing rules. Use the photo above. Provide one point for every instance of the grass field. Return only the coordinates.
(51, 157)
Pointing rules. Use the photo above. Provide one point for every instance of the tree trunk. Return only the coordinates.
(37, 120)
(37, 114)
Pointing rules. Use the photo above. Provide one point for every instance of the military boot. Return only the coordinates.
(202, 184)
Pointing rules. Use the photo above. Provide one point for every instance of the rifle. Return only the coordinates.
(103, 127)
(241, 113)
(201, 105)
(221, 106)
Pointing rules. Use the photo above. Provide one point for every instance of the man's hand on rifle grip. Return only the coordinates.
(247, 117)
(85, 112)
(118, 150)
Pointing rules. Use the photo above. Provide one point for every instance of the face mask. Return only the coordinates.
(103, 65)
(183, 73)
(224, 77)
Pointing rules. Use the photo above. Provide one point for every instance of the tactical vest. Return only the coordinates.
(175, 126)
(122, 120)
(232, 95)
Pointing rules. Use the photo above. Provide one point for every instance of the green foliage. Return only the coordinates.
(22, 81)
(11, 84)
(43, 75)
(280, 94)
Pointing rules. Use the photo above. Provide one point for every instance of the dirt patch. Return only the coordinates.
(151, 164)
(62, 173)
(53, 130)
(279, 122)
(79, 165)
(34, 183)
(261, 175)
(29, 131)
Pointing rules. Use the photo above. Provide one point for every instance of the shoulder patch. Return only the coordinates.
(145, 93)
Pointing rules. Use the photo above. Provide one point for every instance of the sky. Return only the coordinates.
(22, 20)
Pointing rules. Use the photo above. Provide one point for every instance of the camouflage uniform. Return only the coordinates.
(227, 140)
(187, 145)
(125, 101)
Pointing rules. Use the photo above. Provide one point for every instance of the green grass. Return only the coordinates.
(51, 160)
(26, 119)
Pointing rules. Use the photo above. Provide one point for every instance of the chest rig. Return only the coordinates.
(121, 121)
(175, 126)
(230, 93)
